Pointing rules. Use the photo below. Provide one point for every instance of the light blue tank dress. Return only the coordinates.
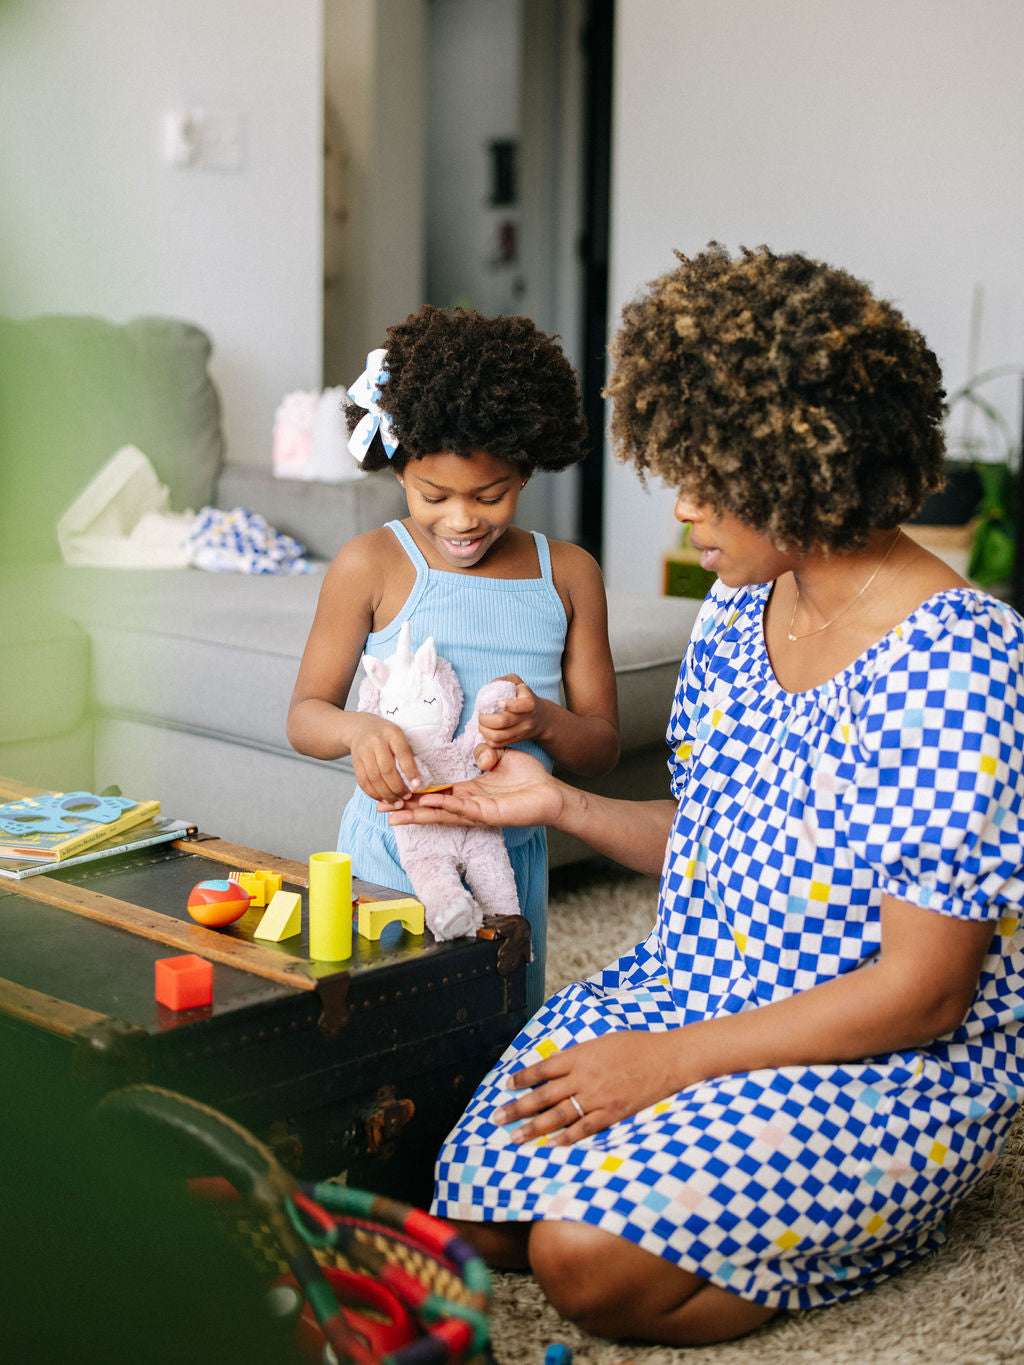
(484, 627)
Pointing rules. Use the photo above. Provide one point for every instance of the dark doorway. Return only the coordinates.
(518, 130)
(598, 39)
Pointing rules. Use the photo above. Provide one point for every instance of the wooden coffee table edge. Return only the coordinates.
(158, 928)
(244, 858)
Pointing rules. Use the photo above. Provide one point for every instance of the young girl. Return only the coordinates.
(463, 409)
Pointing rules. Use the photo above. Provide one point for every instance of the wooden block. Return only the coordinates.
(255, 884)
(183, 983)
(272, 882)
(282, 918)
(374, 915)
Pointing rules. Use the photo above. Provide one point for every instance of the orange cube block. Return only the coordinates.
(185, 982)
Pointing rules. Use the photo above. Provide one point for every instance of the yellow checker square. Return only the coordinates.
(741, 940)
(716, 717)
(937, 1152)
(1007, 926)
(547, 1047)
(691, 869)
(987, 764)
(874, 1224)
(684, 750)
(819, 891)
(610, 1163)
(787, 1240)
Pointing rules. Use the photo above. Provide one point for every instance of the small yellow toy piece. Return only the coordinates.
(261, 884)
(254, 884)
(272, 882)
(374, 915)
(282, 918)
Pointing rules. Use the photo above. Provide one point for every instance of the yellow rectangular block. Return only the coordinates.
(272, 882)
(282, 918)
(374, 915)
(253, 883)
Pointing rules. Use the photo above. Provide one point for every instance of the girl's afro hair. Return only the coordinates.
(459, 382)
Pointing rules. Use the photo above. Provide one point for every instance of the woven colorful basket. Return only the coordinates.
(375, 1281)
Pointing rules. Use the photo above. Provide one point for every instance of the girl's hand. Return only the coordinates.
(381, 754)
(522, 717)
(611, 1078)
(518, 791)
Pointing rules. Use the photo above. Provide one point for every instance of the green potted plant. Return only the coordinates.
(992, 451)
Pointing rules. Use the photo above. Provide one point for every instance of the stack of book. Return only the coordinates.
(82, 839)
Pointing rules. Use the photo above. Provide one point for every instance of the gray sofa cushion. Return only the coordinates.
(648, 637)
(322, 515)
(58, 762)
(73, 390)
(44, 671)
(218, 653)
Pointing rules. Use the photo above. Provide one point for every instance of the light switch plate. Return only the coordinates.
(204, 139)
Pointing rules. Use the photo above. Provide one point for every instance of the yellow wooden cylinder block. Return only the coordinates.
(330, 907)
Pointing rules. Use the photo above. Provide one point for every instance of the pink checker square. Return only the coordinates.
(183, 983)
(688, 1198)
(772, 1136)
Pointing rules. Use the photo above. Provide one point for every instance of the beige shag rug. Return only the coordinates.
(963, 1306)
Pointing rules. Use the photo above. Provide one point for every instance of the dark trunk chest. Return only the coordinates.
(356, 1073)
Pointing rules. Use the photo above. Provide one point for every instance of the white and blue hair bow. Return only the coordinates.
(365, 393)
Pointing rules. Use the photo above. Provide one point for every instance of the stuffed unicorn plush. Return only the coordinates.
(459, 873)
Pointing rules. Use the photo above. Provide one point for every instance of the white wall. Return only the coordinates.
(508, 69)
(375, 90)
(884, 137)
(92, 220)
(473, 98)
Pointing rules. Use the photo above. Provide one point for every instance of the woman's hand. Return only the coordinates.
(522, 717)
(381, 754)
(518, 791)
(610, 1077)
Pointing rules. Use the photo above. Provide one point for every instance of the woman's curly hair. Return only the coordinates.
(459, 382)
(779, 389)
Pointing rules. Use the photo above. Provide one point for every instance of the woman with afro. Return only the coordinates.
(775, 1100)
(463, 409)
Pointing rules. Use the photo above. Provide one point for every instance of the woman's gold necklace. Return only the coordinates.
(857, 596)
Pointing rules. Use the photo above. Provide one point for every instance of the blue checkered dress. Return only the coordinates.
(902, 775)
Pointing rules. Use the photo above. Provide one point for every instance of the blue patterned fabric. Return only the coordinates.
(799, 1185)
(241, 541)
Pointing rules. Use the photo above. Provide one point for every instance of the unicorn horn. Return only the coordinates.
(403, 654)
